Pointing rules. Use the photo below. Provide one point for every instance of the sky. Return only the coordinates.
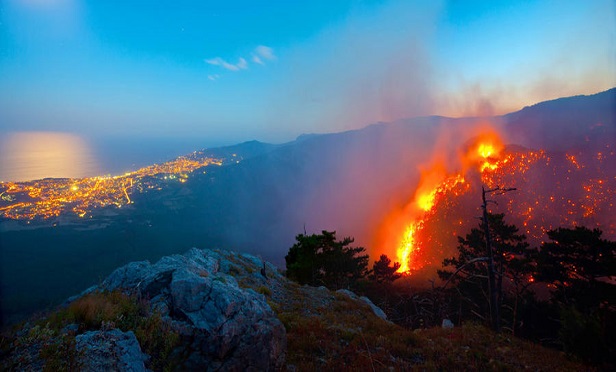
(270, 70)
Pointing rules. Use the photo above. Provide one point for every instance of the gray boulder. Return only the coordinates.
(222, 325)
(375, 309)
(111, 350)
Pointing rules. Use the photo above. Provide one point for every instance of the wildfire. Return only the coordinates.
(482, 154)
(426, 199)
(558, 190)
(485, 150)
(407, 247)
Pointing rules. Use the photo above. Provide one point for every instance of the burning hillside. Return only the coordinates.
(555, 189)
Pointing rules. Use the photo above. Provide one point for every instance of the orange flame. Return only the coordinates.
(485, 150)
(425, 200)
(482, 154)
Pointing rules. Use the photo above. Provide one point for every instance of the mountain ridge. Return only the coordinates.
(347, 182)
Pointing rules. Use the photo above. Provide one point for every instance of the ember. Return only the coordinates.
(436, 182)
(550, 197)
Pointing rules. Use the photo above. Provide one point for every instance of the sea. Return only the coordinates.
(26, 156)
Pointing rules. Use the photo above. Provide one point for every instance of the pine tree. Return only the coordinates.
(323, 260)
(382, 272)
(513, 268)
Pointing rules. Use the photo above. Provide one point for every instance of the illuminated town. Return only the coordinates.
(51, 197)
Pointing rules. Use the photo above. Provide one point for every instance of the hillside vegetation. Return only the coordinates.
(323, 329)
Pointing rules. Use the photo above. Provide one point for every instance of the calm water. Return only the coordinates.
(35, 155)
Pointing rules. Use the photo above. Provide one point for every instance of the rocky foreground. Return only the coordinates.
(220, 310)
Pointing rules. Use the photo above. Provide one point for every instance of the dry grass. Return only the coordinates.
(330, 331)
(337, 333)
(325, 331)
(115, 309)
(354, 342)
(48, 340)
(474, 347)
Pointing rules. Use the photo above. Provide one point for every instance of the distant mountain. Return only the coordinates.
(348, 182)
(564, 123)
(244, 150)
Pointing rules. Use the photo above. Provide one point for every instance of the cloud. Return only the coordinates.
(259, 55)
(240, 65)
(265, 52)
(257, 59)
(262, 53)
(213, 77)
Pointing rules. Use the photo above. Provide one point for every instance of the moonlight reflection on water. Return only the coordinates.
(34, 155)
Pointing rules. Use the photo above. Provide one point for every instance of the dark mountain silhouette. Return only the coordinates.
(565, 123)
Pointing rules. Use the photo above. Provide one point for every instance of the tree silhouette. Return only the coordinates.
(382, 271)
(323, 260)
(577, 263)
(579, 266)
(512, 265)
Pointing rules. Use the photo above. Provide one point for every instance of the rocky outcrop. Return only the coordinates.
(375, 309)
(222, 325)
(217, 306)
(111, 350)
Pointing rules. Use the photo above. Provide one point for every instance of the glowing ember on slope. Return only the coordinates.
(485, 150)
(559, 192)
(554, 192)
(408, 249)
(407, 246)
(483, 153)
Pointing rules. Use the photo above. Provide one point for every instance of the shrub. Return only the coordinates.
(322, 260)
(264, 291)
(103, 311)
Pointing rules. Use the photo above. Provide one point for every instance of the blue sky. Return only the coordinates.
(271, 70)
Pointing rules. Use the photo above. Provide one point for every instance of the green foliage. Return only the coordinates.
(582, 335)
(511, 251)
(577, 263)
(383, 272)
(55, 348)
(322, 260)
(573, 262)
(513, 263)
(126, 312)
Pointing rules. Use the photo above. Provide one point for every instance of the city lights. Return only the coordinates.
(51, 197)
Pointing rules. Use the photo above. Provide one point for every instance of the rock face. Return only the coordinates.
(223, 326)
(375, 309)
(215, 308)
(111, 350)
